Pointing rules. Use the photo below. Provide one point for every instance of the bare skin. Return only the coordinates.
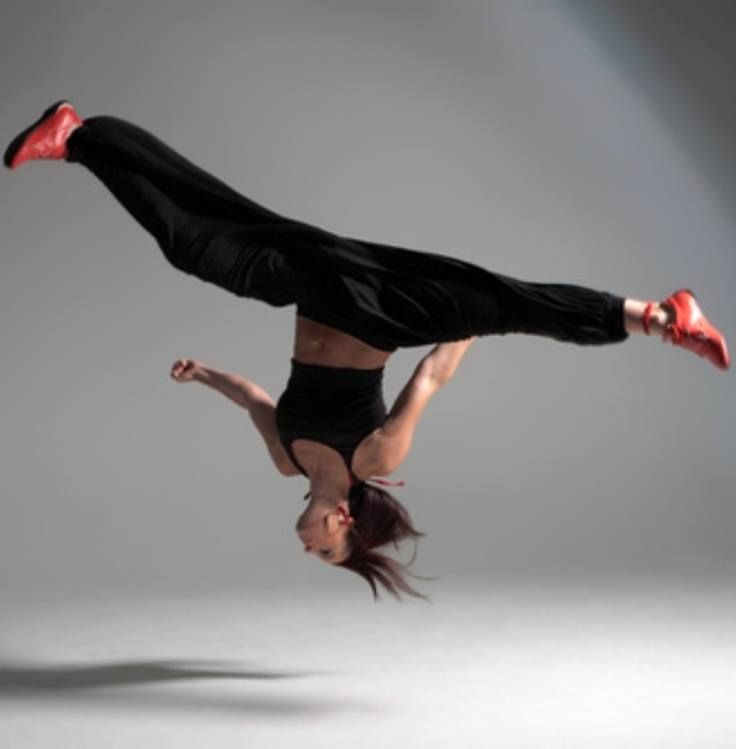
(324, 525)
(315, 343)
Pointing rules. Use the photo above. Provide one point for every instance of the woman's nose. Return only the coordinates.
(307, 548)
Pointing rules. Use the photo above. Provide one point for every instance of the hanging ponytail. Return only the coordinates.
(379, 519)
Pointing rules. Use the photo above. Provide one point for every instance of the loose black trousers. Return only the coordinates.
(389, 297)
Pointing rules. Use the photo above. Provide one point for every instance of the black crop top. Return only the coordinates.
(337, 406)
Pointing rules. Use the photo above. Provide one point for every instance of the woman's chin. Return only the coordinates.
(303, 522)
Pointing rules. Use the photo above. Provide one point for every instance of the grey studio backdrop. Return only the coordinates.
(591, 143)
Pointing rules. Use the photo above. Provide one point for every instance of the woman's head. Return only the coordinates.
(378, 519)
(346, 534)
(323, 528)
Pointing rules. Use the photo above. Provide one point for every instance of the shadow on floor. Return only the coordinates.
(139, 688)
(24, 675)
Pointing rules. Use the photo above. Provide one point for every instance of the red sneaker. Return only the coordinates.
(45, 138)
(692, 330)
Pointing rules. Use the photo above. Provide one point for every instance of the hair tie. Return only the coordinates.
(383, 482)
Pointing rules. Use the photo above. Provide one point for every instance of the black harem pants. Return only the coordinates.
(389, 297)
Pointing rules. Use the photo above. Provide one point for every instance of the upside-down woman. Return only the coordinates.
(356, 303)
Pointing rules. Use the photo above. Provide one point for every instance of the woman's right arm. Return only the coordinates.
(253, 398)
(238, 389)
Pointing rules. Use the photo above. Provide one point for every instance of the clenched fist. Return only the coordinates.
(185, 370)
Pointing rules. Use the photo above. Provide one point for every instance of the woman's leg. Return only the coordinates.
(387, 296)
(113, 141)
(415, 298)
(206, 229)
(203, 227)
(391, 296)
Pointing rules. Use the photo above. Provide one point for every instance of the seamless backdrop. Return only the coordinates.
(558, 141)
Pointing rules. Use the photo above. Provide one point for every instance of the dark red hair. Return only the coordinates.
(379, 519)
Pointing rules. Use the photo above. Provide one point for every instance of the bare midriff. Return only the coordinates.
(315, 343)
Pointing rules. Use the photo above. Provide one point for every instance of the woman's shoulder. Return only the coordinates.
(375, 456)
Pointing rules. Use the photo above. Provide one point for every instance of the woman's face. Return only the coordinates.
(323, 529)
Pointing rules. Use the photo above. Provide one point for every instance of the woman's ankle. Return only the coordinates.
(646, 317)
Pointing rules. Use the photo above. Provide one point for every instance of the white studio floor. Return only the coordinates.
(546, 665)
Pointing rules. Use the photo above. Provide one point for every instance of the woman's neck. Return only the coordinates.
(326, 488)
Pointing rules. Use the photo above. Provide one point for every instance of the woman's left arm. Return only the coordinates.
(394, 438)
(444, 359)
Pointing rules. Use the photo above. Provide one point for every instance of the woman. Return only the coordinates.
(356, 303)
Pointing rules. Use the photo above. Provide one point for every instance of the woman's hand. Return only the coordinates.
(185, 370)
(237, 388)
(442, 361)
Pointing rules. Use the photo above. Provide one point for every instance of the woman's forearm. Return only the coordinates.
(235, 387)
(442, 361)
